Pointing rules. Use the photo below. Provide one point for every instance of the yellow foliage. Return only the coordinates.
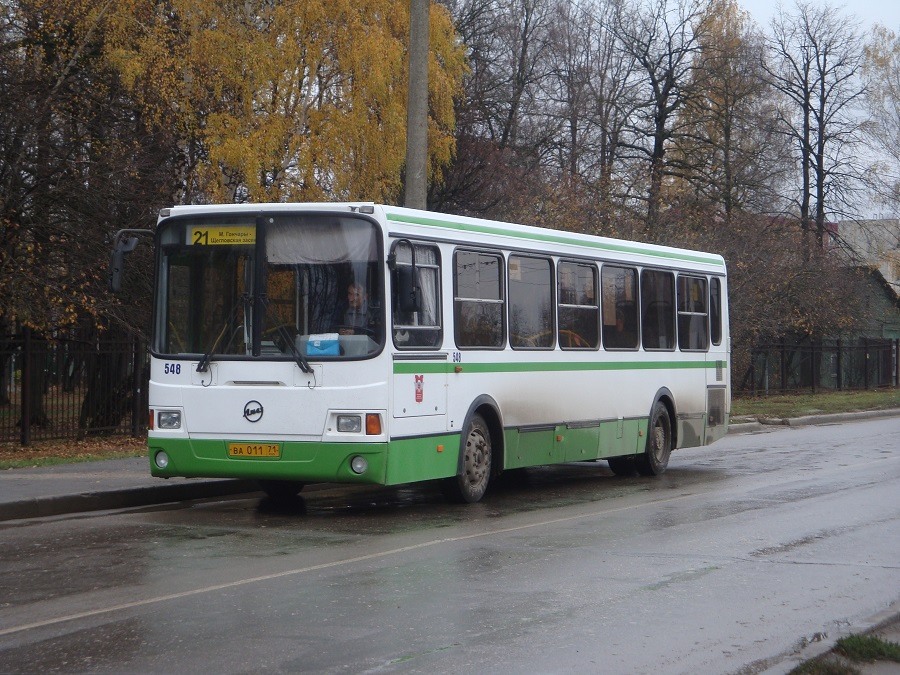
(291, 100)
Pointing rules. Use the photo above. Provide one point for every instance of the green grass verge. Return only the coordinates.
(826, 665)
(54, 460)
(799, 405)
(868, 648)
(846, 653)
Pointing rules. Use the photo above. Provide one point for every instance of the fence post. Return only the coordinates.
(865, 363)
(136, 378)
(897, 362)
(753, 371)
(25, 390)
(813, 365)
(840, 367)
(783, 367)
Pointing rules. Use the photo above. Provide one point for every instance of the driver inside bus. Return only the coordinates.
(356, 319)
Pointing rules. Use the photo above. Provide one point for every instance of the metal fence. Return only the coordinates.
(74, 388)
(69, 388)
(825, 365)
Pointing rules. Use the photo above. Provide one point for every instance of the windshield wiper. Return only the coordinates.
(299, 359)
(203, 365)
(298, 355)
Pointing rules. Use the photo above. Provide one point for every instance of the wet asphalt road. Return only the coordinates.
(740, 554)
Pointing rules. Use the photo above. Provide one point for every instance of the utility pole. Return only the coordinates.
(415, 188)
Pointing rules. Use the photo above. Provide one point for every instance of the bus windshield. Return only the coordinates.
(281, 286)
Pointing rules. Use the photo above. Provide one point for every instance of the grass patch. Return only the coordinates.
(51, 453)
(868, 648)
(799, 405)
(847, 652)
(825, 665)
(53, 461)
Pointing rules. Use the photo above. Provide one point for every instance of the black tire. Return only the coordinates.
(281, 491)
(655, 458)
(622, 466)
(474, 475)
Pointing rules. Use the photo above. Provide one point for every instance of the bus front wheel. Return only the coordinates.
(470, 484)
(655, 458)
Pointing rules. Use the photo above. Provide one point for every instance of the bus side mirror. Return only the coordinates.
(407, 289)
(405, 278)
(123, 246)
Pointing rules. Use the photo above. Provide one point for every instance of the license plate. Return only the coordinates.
(254, 450)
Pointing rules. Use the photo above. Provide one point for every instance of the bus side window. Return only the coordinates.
(579, 311)
(530, 302)
(658, 308)
(693, 317)
(620, 307)
(421, 328)
(478, 300)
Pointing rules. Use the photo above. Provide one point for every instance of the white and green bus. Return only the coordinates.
(362, 343)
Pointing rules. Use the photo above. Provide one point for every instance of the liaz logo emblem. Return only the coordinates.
(253, 411)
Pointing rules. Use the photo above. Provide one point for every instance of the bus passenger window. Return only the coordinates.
(620, 310)
(530, 303)
(478, 299)
(693, 319)
(715, 310)
(421, 328)
(579, 311)
(658, 310)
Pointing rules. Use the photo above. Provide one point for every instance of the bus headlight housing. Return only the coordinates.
(351, 424)
(168, 419)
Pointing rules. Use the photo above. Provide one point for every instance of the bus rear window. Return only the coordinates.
(715, 310)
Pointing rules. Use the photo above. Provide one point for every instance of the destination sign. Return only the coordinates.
(222, 235)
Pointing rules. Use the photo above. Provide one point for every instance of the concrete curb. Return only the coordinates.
(840, 417)
(42, 507)
(810, 420)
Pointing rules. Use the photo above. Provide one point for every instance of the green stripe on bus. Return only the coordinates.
(553, 238)
(413, 368)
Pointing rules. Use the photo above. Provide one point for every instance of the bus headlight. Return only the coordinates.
(359, 464)
(351, 424)
(161, 459)
(168, 419)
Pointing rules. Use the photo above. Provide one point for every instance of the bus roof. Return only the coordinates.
(413, 222)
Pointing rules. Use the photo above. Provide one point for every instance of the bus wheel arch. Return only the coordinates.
(661, 436)
(480, 452)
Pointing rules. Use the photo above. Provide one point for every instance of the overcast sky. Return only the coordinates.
(869, 12)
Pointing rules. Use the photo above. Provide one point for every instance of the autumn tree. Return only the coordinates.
(503, 129)
(663, 40)
(284, 101)
(76, 163)
(728, 151)
(882, 70)
(815, 63)
(591, 92)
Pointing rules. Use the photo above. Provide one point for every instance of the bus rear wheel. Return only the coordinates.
(655, 458)
(472, 481)
(281, 491)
